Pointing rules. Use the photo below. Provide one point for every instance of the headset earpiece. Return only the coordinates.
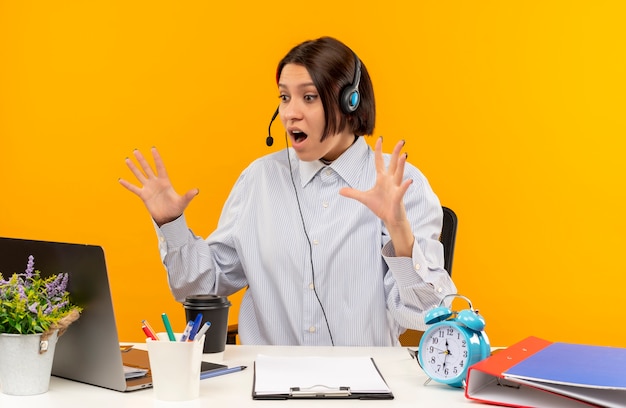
(350, 98)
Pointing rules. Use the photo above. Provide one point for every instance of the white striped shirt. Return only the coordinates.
(369, 296)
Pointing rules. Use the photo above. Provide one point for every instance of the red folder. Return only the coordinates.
(540, 373)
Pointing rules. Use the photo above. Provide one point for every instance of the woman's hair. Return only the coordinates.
(331, 65)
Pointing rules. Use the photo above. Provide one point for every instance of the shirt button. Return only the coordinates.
(325, 204)
(328, 172)
(162, 239)
(417, 267)
(439, 290)
(312, 329)
(311, 286)
(315, 242)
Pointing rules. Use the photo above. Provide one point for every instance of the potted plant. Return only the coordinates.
(34, 312)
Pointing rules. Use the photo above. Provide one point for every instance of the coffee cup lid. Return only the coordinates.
(206, 299)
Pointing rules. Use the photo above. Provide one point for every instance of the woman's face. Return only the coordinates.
(302, 114)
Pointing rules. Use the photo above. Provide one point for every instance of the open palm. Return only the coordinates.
(156, 191)
(385, 199)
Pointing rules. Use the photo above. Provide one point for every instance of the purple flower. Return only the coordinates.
(56, 288)
(33, 308)
(53, 308)
(20, 290)
(30, 267)
(49, 309)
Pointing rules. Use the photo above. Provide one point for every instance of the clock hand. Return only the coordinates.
(447, 353)
(447, 347)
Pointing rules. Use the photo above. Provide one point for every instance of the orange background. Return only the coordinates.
(514, 111)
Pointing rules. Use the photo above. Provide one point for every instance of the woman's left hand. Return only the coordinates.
(385, 199)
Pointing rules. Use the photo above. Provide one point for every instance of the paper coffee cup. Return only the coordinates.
(214, 309)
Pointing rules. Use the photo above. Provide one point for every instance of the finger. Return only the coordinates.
(404, 187)
(353, 193)
(399, 171)
(393, 163)
(158, 163)
(189, 195)
(378, 156)
(131, 187)
(140, 176)
(144, 164)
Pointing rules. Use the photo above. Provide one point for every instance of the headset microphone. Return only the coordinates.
(270, 140)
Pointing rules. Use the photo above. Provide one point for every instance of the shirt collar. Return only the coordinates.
(348, 165)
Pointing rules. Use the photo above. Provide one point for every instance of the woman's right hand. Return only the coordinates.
(156, 191)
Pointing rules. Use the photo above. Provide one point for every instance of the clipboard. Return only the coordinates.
(279, 378)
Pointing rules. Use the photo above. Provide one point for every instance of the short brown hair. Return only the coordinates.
(331, 65)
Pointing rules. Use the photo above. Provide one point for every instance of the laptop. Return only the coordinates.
(89, 351)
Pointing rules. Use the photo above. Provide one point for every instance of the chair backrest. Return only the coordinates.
(411, 338)
(448, 237)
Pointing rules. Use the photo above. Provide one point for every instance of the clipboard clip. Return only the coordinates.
(319, 391)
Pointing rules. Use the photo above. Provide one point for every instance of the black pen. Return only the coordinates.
(222, 371)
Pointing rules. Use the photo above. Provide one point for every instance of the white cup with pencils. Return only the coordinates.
(175, 366)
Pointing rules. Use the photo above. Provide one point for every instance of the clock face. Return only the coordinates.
(445, 353)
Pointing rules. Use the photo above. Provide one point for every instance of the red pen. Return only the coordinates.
(150, 329)
(148, 332)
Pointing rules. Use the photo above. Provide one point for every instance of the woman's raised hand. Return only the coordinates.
(386, 198)
(156, 191)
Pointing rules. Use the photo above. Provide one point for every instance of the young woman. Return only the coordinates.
(336, 244)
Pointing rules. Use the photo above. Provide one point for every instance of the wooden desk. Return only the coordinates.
(405, 378)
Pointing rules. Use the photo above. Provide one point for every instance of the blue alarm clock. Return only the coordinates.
(453, 342)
